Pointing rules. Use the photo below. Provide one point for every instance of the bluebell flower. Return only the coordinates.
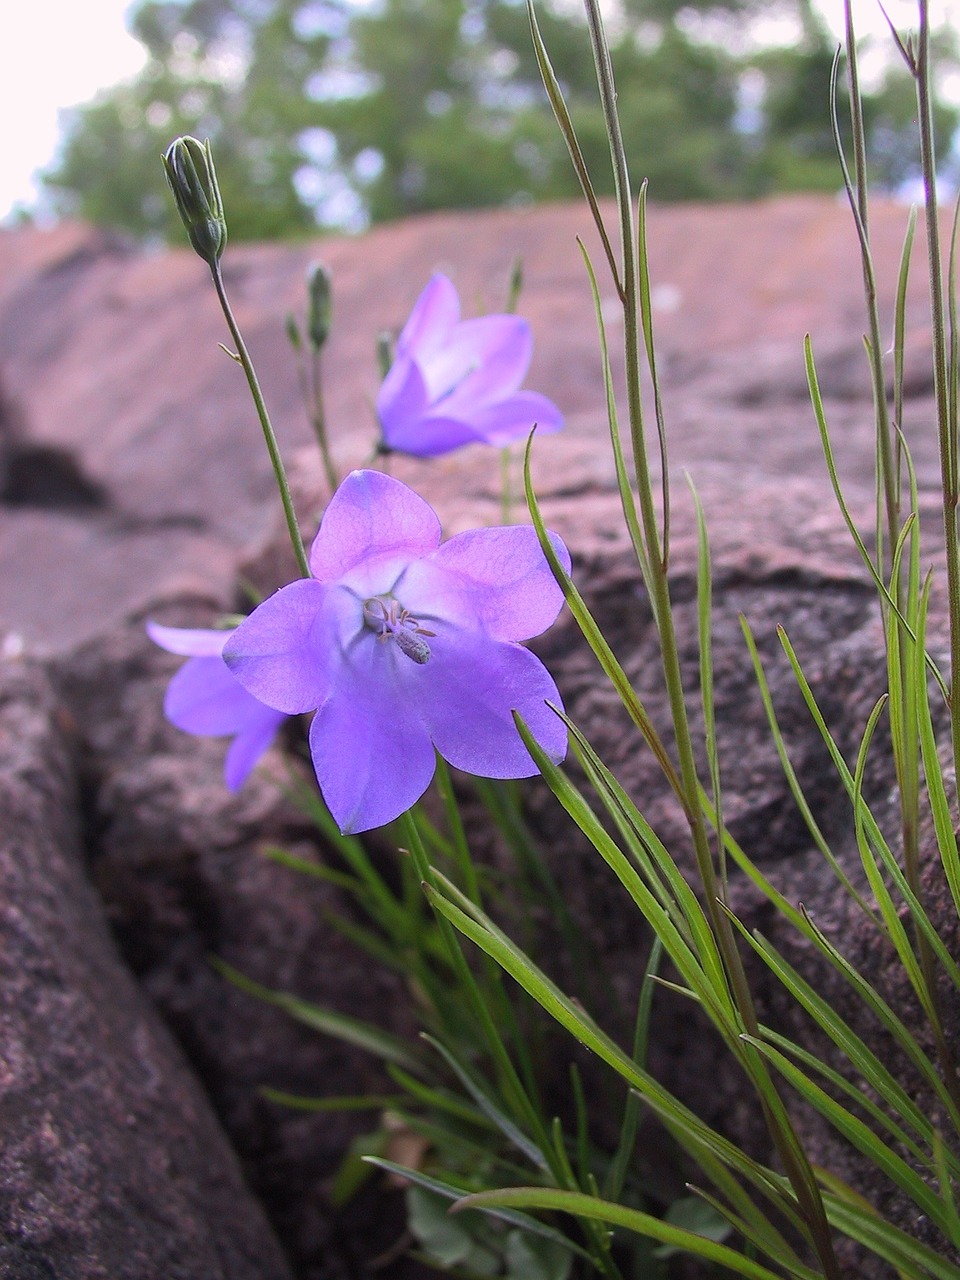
(455, 382)
(205, 698)
(404, 646)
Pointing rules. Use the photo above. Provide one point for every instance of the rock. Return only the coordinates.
(110, 355)
(180, 864)
(109, 358)
(112, 1165)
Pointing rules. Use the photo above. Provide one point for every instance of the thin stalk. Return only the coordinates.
(947, 436)
(506, 489)
(886, 478)
(510, 1084)
(269, 435)
(946, 421)
(318, 419)
(791, 1153)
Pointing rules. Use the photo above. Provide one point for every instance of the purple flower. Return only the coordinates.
(204, 698)
(457, 382)
(403, 645)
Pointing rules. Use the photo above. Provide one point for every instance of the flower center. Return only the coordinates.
(387, 617)
(457, 383)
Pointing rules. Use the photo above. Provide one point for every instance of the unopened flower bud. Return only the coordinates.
(319, 309)
(188, 165)
(384, 352)
(293, 331)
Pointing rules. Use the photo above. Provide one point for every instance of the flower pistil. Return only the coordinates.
(387, 617)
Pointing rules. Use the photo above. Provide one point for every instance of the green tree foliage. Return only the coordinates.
(339, 113)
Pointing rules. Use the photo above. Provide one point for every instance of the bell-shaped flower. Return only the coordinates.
(456, 382)
(404, 646)
(205, 698)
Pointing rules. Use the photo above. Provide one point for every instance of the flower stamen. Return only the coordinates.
(388, 618)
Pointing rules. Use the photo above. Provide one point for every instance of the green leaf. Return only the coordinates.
(443, 1237)
(362, 1035)
(695, 1214)
(453, 1191)
(645, 1224)
(530, 1257)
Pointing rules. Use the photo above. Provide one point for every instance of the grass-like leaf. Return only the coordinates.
(362, 1035)
(583, 1206)
(455, 1192)
(555, 95)
(860, 1135)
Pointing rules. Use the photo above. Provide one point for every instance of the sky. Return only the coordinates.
(55, 54)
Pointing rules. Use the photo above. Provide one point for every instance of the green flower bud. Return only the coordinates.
(318, 311)
(293, 331)
(384, 351)
(188, 165)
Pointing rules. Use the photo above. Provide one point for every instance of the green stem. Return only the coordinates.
(779, 1125)
(946, 422)
(268, 433)
(506, 493)
(318, 419)
(887, 478)
(947, 436)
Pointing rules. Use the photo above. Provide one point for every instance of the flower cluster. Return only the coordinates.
(457, 382)
(401, 644)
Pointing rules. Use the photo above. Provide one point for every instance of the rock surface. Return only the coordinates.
(112, 1166)
(133, 481)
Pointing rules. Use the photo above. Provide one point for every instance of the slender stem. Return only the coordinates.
(268, 433)
(887, 479)
(318, 418)
(506, 494)
(947, 435)
(778, 1122)
(946, 422)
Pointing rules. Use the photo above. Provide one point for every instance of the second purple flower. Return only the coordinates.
(457, 382)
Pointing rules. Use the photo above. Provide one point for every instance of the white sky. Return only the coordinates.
(53, 54)
(57, 53)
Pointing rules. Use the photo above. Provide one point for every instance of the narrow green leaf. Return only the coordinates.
(858, 1134)
(902, 1251)
(596, 640)
(362, 1035)
(644, 1224)
(474, 925)
(555, 95)
(455, 1192)
(627, 500)
(489, 1108)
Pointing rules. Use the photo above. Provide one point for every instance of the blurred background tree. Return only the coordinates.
(339, 113)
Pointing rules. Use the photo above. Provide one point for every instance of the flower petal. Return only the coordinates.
(371, 752)
(434, 314)
(190, 643)
(481, 361)
(402, 398)
(372, 517)
(513, 418)
(474, 685)
(248, 746)
(204, 698)
(495, 580)
(429, 437)
(285, 653)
